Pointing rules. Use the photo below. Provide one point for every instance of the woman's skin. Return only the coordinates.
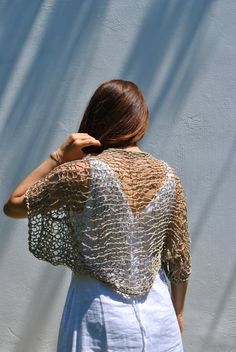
(71, 150)
(178, 292)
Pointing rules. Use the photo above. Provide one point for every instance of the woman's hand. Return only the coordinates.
(71, 149)
(180, 319)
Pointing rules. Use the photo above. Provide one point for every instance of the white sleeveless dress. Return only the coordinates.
(96, 318)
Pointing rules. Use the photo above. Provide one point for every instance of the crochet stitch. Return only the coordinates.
(119, 215)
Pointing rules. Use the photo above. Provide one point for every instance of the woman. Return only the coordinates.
(117, 217)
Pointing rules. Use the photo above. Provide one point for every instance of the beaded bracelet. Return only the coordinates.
(55, 157)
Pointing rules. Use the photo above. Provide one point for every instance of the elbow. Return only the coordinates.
(6, 210)
(15, 208)
(9, 210)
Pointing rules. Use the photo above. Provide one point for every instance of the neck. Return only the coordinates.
(131, 148)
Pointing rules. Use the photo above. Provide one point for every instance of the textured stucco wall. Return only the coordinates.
(53, 54)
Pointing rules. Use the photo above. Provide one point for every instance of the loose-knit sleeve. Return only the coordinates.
(176, 255)
(49, 203)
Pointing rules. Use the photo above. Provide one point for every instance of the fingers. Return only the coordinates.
(89, 142)
(71, 148)
(181, 324)
(83, 139)
(75, 136)
(84, 142)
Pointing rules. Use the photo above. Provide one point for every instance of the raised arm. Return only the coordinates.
(70, 150)
(16, 206)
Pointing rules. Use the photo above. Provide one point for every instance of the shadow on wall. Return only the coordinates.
(37, 66)
(38, 313)
(227, 292)
(170, 50)
(45, 39)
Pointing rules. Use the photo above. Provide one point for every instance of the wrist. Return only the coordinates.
(56, 157)
(180, 314)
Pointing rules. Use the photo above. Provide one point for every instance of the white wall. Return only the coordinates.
(53, 54)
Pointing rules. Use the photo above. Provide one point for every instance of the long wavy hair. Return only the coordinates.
(117, 115)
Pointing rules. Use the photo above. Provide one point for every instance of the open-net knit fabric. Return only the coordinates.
(119, 216)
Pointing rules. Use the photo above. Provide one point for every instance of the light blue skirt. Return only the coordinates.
(96, 318)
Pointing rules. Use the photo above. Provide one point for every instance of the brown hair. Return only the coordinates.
(116, 115)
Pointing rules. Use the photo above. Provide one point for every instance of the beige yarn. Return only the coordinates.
(119, 216)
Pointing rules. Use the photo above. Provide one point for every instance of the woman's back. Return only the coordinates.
(119, 221)
(130, 196)
(120, 216)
